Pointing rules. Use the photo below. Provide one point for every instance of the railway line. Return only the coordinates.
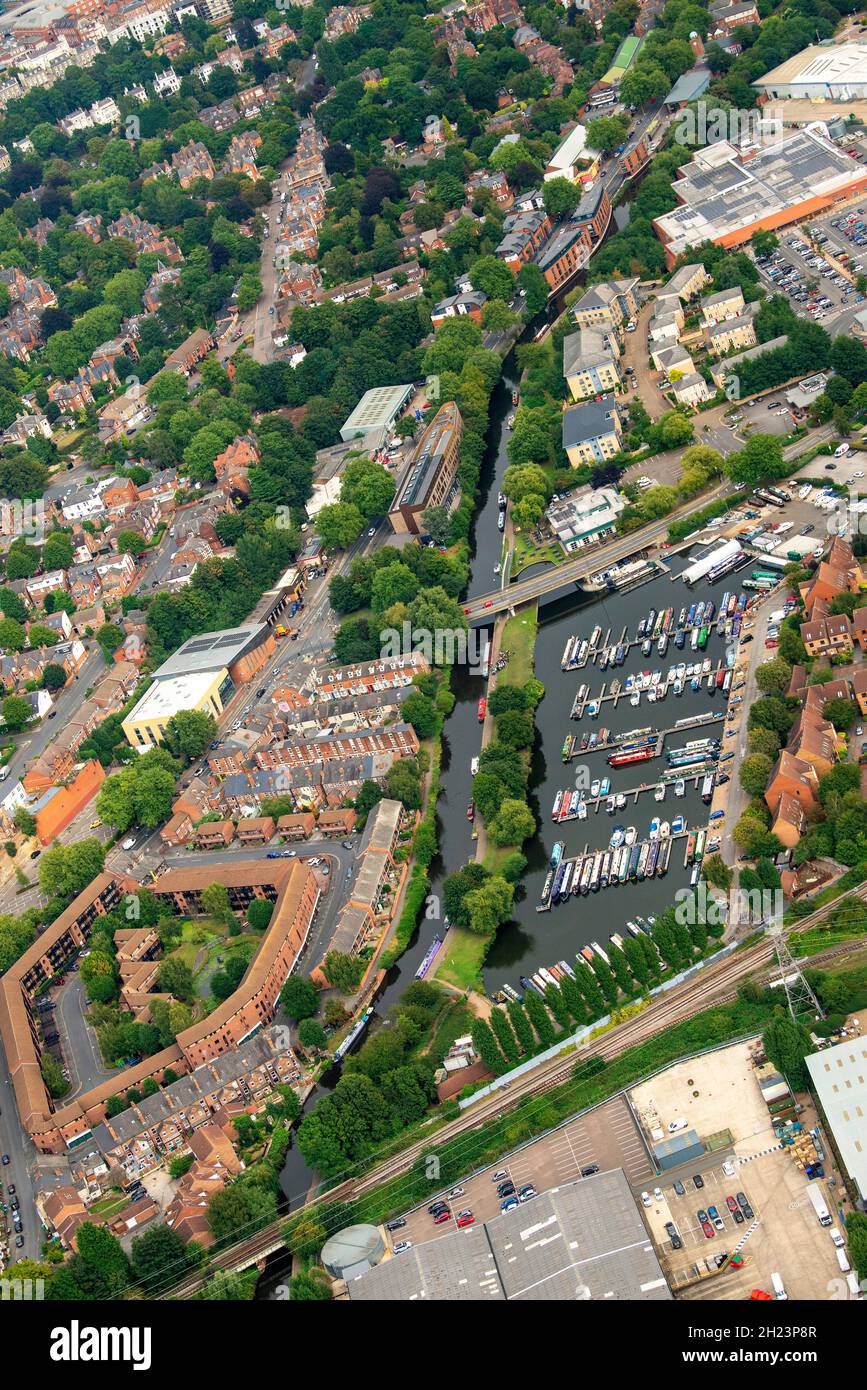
(716, 985)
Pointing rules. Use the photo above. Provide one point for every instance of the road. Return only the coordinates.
(31, 743)
(81, 1053)
(485, 606)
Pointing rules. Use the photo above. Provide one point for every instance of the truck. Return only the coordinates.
(817, 1201)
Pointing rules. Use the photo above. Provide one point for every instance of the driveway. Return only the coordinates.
(80, 1048)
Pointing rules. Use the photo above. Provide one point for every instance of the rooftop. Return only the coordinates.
(211, 651)
(838, 1075)
(376, 410)
(724, 190)
(819, 65)
(585, 1240)
(593, 420)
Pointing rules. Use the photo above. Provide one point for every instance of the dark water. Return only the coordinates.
(538, 939)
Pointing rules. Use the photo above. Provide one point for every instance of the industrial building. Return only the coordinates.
(839, 1076)
(819, 73)
(201, 675)
(433, 468)
(583, 1241)
(375, 414)
(726, 194)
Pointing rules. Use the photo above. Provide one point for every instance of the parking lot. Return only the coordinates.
(722, 1232)
(849, 469)
(606, 1137)
(718, 1095)
(802, 272)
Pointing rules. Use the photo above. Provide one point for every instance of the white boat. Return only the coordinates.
(678, 825)
(618, 836)
(654, 828)
(664, 830)
(629, 837)
(680, 787)
(635, 698)
(582, 810)
(659, 794)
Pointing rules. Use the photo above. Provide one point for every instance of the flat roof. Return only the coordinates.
(839, 1075)
(376, 409)
(459, 1267)
(724, 190)
(585, 1240)
(819, 65)
(211, 651)
(165, 697)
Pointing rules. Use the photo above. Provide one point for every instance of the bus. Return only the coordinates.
(601, 99)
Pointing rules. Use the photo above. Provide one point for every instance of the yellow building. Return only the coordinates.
(144, 726)
(592, 432)
(590, 363)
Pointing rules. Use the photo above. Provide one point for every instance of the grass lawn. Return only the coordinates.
(108, 1207)
(455, 1021)
(526, 554)
(205, 946)
(460, 963)
(519, 639)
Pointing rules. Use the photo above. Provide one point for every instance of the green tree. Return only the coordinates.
(215, 900)
(754, 773)
(513, 823)
(312, 1034)
(786, 1044)
(299, 998)
(188, 733)
(489, 905)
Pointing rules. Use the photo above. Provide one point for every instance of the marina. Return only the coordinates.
(659, 629)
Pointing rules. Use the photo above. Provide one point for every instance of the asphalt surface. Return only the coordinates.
(81, 1052)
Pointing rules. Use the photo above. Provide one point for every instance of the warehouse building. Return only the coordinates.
(375, 414)
(726, 194)
(838, 1076)
(583, 1241)
(819, 73)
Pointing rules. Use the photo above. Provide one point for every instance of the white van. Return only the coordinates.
(4, 773)
(779, 1286)
(842, 1260)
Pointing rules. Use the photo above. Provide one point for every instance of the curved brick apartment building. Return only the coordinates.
(290, 886)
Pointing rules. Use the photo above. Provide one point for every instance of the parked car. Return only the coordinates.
(396, 1224)
(716, 1218)
(441, 1216)
(401, 1246)
(698, 1180)
(465, 1218)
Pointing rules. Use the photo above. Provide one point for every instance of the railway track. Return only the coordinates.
(717, 985)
